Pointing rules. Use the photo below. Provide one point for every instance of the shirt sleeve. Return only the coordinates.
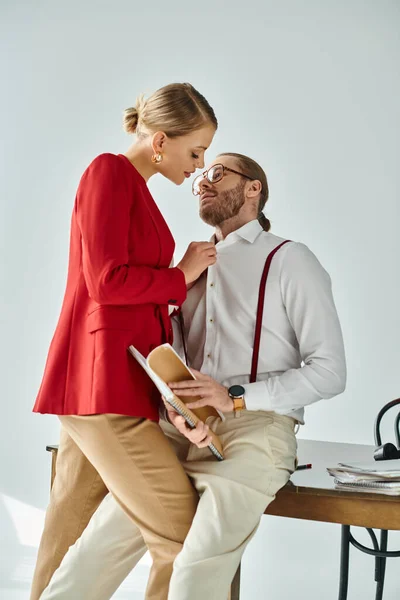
(104, 217)
(307, 295)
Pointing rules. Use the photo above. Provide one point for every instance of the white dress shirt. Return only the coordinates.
(302, 357)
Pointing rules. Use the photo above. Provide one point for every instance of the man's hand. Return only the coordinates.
(199, 436)
(210, 391)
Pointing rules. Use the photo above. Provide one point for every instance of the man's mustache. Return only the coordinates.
(208, 195)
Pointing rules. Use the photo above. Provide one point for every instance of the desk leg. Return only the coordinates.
(344, 562)
(53, 467)
(380, 566)
(235, 587)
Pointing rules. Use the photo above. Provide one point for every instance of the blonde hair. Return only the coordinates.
(176, 109)
(252, 169)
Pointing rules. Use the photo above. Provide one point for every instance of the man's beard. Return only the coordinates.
(224, 206)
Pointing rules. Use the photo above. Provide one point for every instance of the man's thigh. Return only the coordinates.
(260, 450)
(259, 447)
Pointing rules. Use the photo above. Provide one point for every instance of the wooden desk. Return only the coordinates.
(311, 495)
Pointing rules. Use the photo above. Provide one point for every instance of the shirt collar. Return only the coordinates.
(249, 232)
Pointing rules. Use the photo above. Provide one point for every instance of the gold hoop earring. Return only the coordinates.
(157, 158)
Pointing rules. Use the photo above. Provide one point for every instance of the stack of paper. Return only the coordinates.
(380, 477)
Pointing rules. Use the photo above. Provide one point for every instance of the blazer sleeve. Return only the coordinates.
(103, 210)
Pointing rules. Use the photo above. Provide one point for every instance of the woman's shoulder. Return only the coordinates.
(107, 160)
(113, 165)
(106, 167)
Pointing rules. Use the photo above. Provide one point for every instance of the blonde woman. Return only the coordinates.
(118, 289)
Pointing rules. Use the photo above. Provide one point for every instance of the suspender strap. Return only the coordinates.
(182, 328)
(260, 310)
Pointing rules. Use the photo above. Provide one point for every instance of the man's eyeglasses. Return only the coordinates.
(213, 175)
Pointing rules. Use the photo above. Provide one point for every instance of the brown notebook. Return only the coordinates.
(164, 364)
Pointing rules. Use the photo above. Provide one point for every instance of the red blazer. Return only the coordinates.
(118, 290)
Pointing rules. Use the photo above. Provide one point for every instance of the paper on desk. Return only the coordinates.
(388, 470)
(346, 477)
(381, 467)
(390, 488)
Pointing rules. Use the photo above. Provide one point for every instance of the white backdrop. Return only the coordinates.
(308, 89)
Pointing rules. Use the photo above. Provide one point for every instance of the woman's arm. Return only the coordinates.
(104, 216)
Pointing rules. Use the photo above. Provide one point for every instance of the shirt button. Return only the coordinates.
(211, 320)
(211, 285)
(208, 355)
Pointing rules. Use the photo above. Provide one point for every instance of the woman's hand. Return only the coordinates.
(198, 257)
(210, 391)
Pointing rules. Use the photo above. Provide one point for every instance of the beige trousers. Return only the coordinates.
(139, 467)
(260, 451)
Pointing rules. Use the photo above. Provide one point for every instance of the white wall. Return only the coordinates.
(310, 90)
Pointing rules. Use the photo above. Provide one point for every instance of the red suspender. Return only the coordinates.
(260, 310)
(182, 328)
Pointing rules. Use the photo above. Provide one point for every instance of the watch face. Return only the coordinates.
(236, 391)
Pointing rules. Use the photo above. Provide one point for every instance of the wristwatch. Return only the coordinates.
(236, 392)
